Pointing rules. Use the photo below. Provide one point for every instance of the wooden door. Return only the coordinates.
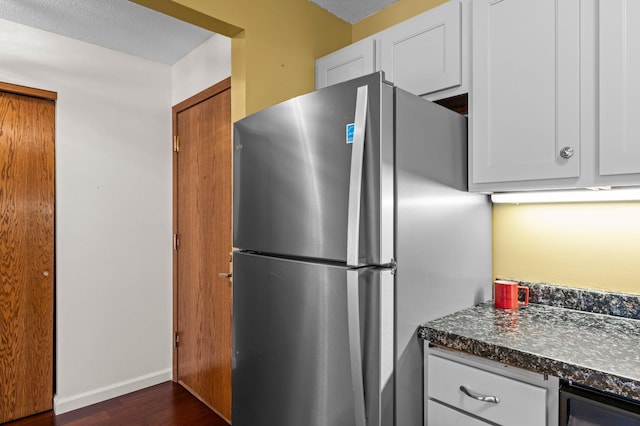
(202, 221)
(26, 254)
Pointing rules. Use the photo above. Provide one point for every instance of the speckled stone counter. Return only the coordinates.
(596, 350)
(587, 300)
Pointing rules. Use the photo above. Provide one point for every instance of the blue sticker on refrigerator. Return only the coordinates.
(351, 129)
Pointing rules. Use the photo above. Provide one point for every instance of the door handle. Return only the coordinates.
(355, 350)
(355, 176)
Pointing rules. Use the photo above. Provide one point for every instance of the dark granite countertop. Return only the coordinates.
(595, 350)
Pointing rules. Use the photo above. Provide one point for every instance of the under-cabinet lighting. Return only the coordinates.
(568, 196)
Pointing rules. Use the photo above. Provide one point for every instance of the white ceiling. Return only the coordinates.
(115, 24)
(353, 11)
(130, 28)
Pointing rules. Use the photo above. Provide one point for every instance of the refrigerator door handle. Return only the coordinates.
(355, 177)
(355, 348)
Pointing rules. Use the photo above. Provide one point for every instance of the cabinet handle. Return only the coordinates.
(225, 275)
(483, 398)
(566, 152)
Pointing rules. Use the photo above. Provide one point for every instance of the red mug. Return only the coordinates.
(505, 294)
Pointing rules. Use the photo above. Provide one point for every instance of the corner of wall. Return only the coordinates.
(238, 77)
(73, 402)
(201, 68)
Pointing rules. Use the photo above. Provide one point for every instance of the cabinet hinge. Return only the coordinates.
(176, 339)
(176, 143)
(176, 241)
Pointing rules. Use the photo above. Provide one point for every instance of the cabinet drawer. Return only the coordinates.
(440, 415)
(520, 403)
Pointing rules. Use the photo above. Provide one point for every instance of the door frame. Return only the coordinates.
(28, 91)
(210, 92)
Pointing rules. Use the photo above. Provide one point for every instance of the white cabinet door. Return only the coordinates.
(525, 105)
(619, 87)
(353, 61)
(422, 55)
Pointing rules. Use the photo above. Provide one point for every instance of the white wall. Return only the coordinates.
(113, 203)
(203, 67)
(113, 210)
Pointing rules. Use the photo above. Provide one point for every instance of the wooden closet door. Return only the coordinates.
(26, 255)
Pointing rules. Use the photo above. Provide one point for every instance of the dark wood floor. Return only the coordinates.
(166, 404)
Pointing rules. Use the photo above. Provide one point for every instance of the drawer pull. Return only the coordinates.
(483, 398)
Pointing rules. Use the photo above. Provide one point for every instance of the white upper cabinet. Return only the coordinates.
(525, 104)
(353, 61)
(554, 90)
(619, 87)
(556, 94)
(423, 54)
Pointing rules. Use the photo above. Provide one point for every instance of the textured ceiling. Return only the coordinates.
(130, 28)
(353, 11)
(115, 24)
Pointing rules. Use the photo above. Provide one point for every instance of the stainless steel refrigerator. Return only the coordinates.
(353, 226)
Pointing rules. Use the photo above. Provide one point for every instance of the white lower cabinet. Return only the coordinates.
(442, 415)
(467, 390)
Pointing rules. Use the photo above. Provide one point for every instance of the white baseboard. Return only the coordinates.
(63, 405)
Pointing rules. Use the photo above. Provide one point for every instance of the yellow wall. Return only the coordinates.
(590, 245)
(274, 44)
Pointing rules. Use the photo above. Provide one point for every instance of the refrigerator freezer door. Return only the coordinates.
(292, 175)
(292, 362)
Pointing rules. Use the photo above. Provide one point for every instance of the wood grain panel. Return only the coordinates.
(203, 197)
(26, 255)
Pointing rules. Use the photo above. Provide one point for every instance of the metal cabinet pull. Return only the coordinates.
(483, 398)
(566, 152)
